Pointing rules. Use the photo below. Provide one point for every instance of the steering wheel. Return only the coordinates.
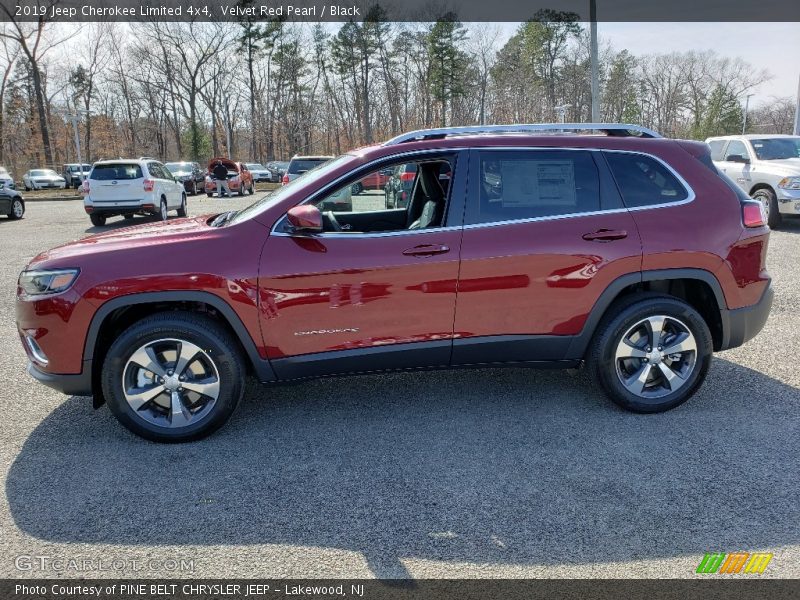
(333, 221)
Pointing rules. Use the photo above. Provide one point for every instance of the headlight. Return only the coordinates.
(38, 283)
(789, 183)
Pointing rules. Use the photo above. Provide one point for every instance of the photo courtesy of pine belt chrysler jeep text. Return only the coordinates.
(610, 246)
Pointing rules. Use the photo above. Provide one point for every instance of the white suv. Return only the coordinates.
(766, 167)
(130, 187)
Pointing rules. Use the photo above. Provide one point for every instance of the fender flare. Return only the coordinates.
(261, 366)
(578, 346)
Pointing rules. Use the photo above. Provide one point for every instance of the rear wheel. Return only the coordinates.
(163, 211)
(650, 353)
(252, 189)
(17, 209)
(128, 216)
(357, 188)
(97, 220)
(173, 377)
(209, 194)
(182, 209)
(770, 201)
(194, 188)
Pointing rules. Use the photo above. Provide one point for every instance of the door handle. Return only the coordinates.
(605, 235)
(426, 250)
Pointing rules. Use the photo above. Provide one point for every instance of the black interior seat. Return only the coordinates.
(429, 198)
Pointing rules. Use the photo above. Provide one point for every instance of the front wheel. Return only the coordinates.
(770, 201)
(182, 210)
(650, 353)
(173, 377)
(17, 209)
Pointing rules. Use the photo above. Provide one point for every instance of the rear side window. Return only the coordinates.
(717, 146)
(116, 172)
(516, 185)
(643, 181)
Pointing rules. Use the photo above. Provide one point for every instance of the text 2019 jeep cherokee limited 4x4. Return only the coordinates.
(627, 251)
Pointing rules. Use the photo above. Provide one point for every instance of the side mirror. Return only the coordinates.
(737, 158)
(305, 218)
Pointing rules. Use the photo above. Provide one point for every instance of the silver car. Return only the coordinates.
(766, 167)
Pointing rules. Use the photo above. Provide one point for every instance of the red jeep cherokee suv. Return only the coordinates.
(617, 248)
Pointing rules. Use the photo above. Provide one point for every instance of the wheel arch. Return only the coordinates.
(760, 186)
(121, 312)
(697, 287)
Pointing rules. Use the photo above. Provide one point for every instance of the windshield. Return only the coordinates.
(255, 166)
(176, 168)
(269, 200)
(305, 164)
(43, 173)
(776, 148)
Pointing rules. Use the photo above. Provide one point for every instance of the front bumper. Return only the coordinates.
(788, 201)
(743, 324)
(72, 385)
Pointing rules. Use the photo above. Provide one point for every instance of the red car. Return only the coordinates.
(240, 179)
(627, 252)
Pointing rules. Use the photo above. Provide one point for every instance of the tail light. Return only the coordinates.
(753, 214)
(149, 184)
(285, 179)
(407, 176)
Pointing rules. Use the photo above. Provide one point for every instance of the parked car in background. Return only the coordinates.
(373, 181)
(6, 179)
(40, 179)
(131, 187)
(190, 174)
(259, 172)
(766, 167)
(300, 164)
(75, 174)
(627, 252)
(278, 170)
(12, 204)
(240, 180)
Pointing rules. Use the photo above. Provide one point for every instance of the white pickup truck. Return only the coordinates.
(766, 167)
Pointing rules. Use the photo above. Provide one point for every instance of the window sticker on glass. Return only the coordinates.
(528, 183)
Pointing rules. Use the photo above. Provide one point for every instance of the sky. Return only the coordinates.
(771, 46)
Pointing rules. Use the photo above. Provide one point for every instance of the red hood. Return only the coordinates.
(226, 162)
(125, 238)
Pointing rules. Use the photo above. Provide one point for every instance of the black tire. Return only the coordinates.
(182, 210)
(97, 220)
(203, 332)
(209, 194)
(252, 189)
(17, 209)
(163, 209)
(601, 358)
(357, 188)
(770, 201)
(194, 188)
(128, 216)
(389, 205)
(242, 190)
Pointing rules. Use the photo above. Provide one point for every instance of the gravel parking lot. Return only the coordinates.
(474, 473)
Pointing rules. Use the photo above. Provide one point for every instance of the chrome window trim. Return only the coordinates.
(689, 198)
(366, 167)
(690, 191)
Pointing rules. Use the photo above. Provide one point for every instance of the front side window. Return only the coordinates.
(643, 181)
(527, 184)
(406, 196)
(736, 149)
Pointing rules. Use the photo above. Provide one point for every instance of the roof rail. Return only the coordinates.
(613, 129)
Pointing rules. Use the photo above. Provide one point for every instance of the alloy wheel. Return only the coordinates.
(171, 383)
(17, 209)
(656, 356)
(164, 210)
